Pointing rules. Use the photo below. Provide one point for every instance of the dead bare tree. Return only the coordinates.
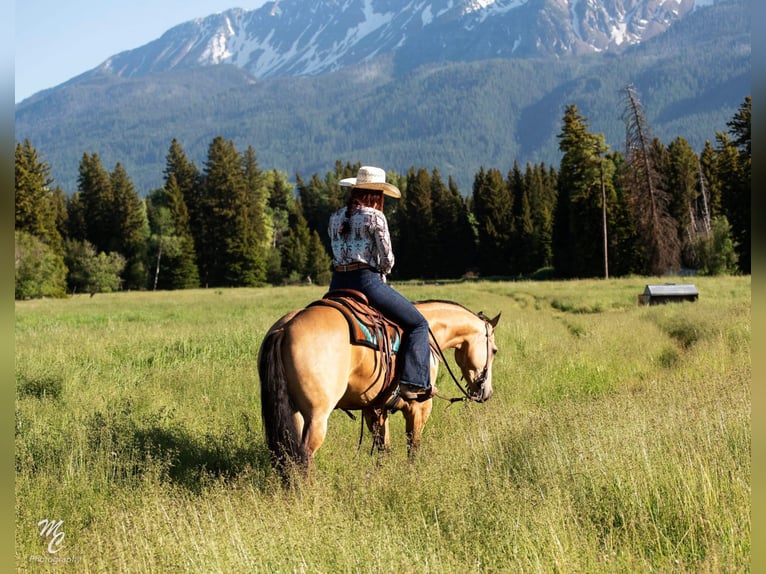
(657, 229)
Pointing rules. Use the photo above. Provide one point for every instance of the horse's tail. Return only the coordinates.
(277, 409)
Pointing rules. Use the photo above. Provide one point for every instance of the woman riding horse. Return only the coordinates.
(362, 257)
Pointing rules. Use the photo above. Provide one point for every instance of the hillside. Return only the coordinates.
(455, 116)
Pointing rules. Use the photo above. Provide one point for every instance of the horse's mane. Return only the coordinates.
(448, 302)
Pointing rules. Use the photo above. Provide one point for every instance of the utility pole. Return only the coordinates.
(603, 208)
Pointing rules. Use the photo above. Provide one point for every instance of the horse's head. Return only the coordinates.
(474, 356)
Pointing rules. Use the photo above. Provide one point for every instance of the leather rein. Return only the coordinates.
(480, 380)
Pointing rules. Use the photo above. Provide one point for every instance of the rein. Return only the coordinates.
(480, 379)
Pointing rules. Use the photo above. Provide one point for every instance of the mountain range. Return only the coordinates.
(447, 84)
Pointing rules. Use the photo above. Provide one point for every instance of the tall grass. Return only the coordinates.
(618, 440)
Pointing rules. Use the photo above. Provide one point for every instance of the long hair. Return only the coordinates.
(360, 197)
(364, 197)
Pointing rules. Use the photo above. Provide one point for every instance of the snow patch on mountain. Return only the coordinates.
(302, 37)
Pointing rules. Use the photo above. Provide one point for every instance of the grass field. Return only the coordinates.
(617, 440)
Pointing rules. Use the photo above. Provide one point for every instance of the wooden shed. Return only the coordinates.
(667, 293)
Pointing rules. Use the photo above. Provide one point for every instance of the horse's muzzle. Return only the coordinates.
(481, 395)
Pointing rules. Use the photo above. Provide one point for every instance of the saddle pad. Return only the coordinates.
(367, 326)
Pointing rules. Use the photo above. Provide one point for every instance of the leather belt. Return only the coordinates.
(352, 267)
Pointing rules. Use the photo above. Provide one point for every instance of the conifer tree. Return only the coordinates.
(336, 194)
(188, 182)
(314, 202)
(709, 174)
(737, 194)
(624, 248)
(172, 256)
(414, 250)
(295, 247)
(76, 224)
(318, 261)
(131, 229)
(579, 229)
(280, 200)
(37, 207)
(731, 177)
(542, 199)
(454, 247)
(492, 208)
(61, 214)
(518, 251)
(97, 202)
(524, 244)
(185, 273)
(229, 255)
(656, 227)
(258, 197)
(682, 183)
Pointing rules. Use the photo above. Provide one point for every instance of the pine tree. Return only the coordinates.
(229, 255)
(655, 225)
(739, 128)
(97, 202)
(318, 262)
(454, 247)
(579, 228)
(258, 197)
(682, 184)
(624, 247)
(280, 201)
(172, 255)
(739, 195)
(61, 214)
(542, 200)
(709, 173)
(415, 248)
(37, 207)
(314, 202)
(518, 250)
(295, 247)
(185, 272)
(492, 207)
(76, 224)
(131, 229)
(189, 185)
(729, 172)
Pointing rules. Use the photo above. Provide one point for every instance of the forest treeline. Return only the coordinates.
(652, 209)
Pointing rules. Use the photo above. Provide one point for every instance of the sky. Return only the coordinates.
(57, 40)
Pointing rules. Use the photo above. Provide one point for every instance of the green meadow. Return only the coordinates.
(617, 440)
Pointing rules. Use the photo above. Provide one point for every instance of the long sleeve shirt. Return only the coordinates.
(367, 241)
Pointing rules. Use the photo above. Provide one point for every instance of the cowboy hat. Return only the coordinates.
(369, 177)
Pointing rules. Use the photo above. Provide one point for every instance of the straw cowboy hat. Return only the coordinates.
(369, 177)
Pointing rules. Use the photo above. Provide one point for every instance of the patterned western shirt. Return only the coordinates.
(368, 240)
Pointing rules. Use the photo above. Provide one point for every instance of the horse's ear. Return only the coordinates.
(496, 320)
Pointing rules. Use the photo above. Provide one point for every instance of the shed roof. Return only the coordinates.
(671, 289)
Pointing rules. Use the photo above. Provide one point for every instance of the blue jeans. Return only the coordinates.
(415, 351)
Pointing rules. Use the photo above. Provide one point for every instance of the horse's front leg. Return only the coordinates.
(377, 423)
(415, 416)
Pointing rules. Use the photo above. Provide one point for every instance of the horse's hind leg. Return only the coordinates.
(314, 432)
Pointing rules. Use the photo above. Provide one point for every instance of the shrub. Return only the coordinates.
(40, 272)
(716, 251)
(90, 272)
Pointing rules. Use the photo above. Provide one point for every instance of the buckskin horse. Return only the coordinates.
(309, 365)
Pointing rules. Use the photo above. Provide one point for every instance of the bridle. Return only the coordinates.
(479, 381)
